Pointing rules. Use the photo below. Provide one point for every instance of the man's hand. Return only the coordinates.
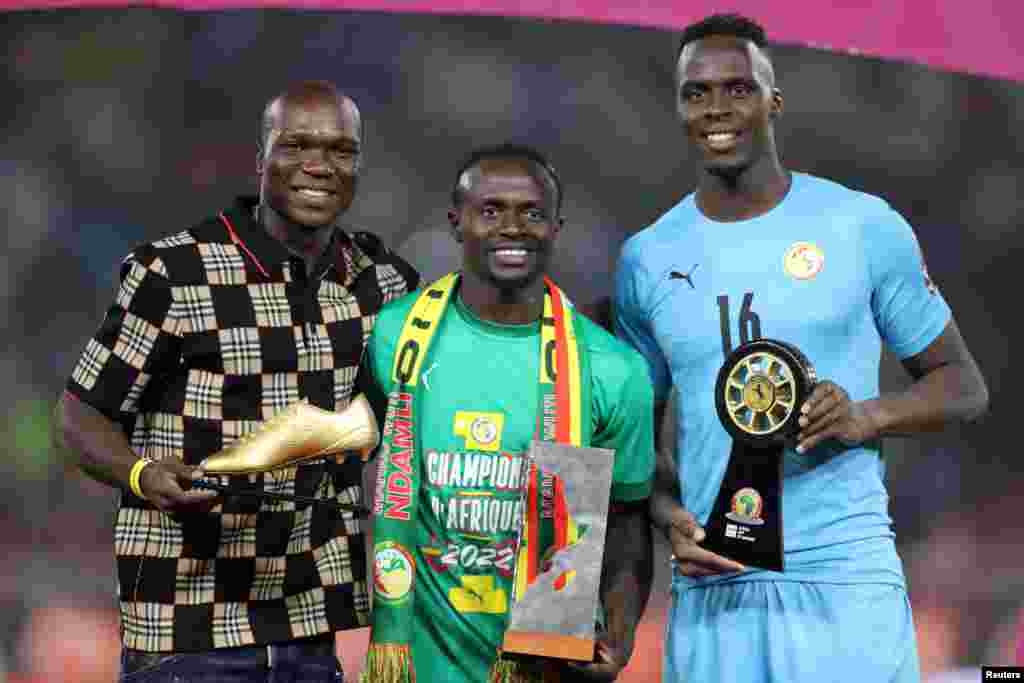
(828, 413)
(167, 485)
(607, 666)
(685, 535)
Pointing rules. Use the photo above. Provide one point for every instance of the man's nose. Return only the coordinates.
(718, 103)
(511, 223)
(315, 163)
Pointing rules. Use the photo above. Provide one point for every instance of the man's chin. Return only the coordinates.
(312, 219)
(514, 282)
(727, 166)
(725, 169)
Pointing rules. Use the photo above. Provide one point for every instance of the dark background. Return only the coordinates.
(123, 125)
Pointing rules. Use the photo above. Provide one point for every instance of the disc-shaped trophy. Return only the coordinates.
(758, 395)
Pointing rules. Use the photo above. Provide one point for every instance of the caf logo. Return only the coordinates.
(393, 571)
(746, 507)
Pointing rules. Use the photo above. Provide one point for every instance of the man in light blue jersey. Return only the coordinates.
(759, 251)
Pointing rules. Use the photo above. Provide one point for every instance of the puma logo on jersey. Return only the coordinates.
(426, 374)
(676, 275)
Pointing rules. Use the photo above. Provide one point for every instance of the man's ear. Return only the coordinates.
(777, 103)
(454, 224)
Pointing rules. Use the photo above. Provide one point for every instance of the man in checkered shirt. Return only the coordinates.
(214, 330)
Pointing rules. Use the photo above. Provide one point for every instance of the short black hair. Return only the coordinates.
(507, 150)
(735, 25)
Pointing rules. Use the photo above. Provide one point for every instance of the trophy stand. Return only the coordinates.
(757, 395)
(358, 510)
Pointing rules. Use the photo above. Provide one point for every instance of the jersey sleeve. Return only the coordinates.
(624, 401)
(631, 320)
(138, 339)
(909, 311)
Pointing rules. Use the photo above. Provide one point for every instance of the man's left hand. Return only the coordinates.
(609, 663)
(828, 413)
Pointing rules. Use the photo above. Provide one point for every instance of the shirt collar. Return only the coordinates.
(268, 252)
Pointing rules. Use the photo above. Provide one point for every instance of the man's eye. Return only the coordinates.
(741, 90)
(536, 216)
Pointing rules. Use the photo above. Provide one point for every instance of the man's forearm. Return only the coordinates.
(102, 450)
(628, 573)
(666, 493)
(663, 501)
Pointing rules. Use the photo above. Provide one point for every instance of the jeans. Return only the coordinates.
(310, 660)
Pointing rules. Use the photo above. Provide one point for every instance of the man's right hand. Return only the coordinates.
(167, 485)
(685, 536)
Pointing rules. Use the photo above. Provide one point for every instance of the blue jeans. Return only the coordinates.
(310, 660)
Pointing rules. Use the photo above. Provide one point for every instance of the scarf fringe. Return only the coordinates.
(517, 670)
(388, 663)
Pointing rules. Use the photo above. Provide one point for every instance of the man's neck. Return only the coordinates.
(748, 194)
(518, 306)
(303, 242)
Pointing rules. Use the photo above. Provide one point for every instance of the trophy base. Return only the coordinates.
(746, 521)
(357, 510)
(554, 645)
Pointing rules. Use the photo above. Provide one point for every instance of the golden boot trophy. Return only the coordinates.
(299, 433)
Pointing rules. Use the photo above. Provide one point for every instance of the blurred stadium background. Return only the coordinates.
(124, 124)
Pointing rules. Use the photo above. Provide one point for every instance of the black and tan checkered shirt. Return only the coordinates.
(212, 331)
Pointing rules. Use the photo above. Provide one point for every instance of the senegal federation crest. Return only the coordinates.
(393, 571)
(747, 506)
(803, 260)
(481, 430)
(484, 430)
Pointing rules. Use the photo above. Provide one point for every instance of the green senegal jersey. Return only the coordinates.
(478, 414)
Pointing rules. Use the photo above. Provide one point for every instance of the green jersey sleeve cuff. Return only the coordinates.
(629, 492)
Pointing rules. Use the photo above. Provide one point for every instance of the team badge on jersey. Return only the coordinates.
(803, 260)
(747, 506)
(481, 430)
(393, 571)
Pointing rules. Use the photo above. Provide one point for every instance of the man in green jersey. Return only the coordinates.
(460, 362)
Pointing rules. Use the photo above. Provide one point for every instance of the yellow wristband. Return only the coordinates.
(135, 478)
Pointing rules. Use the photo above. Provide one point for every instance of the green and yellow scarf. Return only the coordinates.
(565, 418)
